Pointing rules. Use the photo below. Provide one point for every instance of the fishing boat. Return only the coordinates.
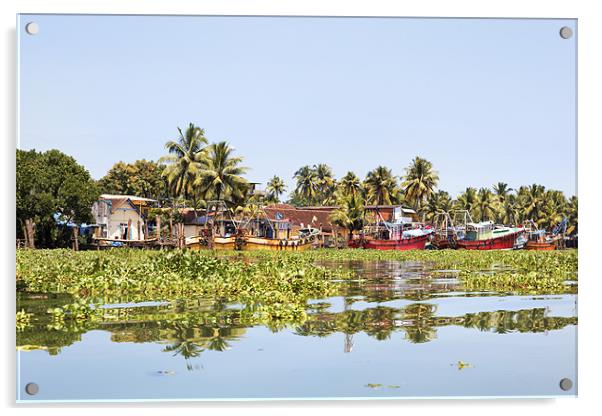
(263, 233)
(391, 236)
(391, 227)
(540, 241)
(415, 239)
(485, 236)
(450, 227)
(222, 230)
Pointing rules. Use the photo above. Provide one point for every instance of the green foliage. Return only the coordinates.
(23, 320)
(315, 186)
(275, 188)
(220, 175)
(350, 213)
(381, 187)
(141, 178)
(52, 183)
(419, 182)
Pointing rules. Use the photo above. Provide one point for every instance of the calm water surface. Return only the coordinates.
(401, 330)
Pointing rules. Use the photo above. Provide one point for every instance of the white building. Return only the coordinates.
(121, 217)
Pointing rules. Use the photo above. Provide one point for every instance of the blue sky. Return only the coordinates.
(484, 100)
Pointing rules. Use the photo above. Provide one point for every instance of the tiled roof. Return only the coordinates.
(301, 217)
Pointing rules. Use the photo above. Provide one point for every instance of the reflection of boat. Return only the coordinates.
(262, 233)
(485, 236)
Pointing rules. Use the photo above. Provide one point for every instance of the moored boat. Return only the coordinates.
(484, 236)
(262, 233)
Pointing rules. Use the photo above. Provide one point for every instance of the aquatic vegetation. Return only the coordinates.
(23, 320)
(273, 287)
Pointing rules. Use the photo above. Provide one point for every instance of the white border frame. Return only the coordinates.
(590, 133)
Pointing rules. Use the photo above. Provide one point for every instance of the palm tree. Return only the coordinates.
(326, 183)
(501, 190)
(468, 200)
(184, 161)
(349, 214)
(275, 188)
(571, 211)
(419, 182)
(350, 184)
(308, 186)
(531, 201)
(381, 186)
(485, 204)
(510, 211)
(221, 177)
(439, 201)
(554, 207)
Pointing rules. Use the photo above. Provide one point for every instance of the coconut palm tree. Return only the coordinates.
(184, 161)
(275, 188)
(350, 184)
(531, 200)
(381, 186)
(349, 214)
(571, 211)
(468, 201)
(485, 204)
(419, 182)
(221, 176)
(326, 183)
(510, 211)
(501, 190)
(308, 184)
(439, 201)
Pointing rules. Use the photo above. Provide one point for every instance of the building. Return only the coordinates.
(392, 213)
(122, 217)
(303, 217)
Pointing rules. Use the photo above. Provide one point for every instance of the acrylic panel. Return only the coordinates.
(247, 207)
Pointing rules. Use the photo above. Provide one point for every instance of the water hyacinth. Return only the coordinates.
(275, 286)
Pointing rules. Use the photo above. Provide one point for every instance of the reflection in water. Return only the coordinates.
(189, 328)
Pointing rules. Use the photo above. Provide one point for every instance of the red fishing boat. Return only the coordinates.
(406, 243)
(484, 236)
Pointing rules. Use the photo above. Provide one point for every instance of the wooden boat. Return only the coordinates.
(257, 243)
(221, 233)
(484, 236)
(263, 233)
(390, 236)
(450, 227)
(540, 246)
(407, 243)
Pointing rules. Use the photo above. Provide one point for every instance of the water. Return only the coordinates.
(401, 330)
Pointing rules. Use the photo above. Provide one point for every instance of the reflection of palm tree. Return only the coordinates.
(217, 340)
(186, 348)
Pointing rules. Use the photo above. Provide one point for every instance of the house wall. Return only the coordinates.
(121, 216)
(192, 230)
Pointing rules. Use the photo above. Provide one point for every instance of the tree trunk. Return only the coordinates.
(25, 239)
(75, 244)
(158, 223)
(30, 233)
